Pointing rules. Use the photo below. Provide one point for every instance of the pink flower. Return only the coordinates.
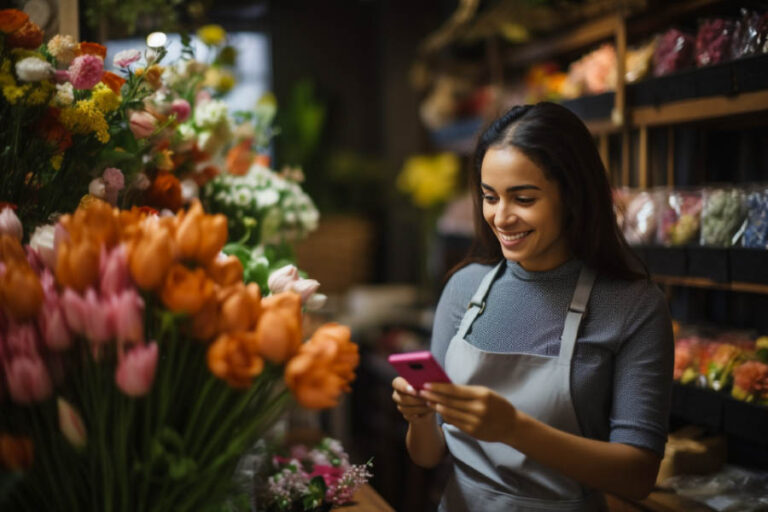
(125, 58)
(28, 380)
(71, 424)
(114, 182)
(75, 310)
(10, 224)
(42, 241)
(330, 474)
(142, 124)
(136, 370)
(128, 316)
(113, 271)
(53, 327)
(86, 71)
(61, 76)
(21, 340)
(181, 108)
(98, 319)
(282, 279)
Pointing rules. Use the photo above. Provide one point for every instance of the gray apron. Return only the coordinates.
(490, 477)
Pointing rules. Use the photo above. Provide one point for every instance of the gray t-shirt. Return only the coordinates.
(621, 378)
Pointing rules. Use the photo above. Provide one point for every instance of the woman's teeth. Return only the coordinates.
(512, 238)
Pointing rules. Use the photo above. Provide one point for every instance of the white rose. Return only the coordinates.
(97, 188)
(42, 241)
(33, 69)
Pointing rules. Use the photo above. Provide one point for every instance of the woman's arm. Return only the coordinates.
(616, 468)
(425, 442)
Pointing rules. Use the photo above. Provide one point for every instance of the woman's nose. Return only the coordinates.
(505, 214)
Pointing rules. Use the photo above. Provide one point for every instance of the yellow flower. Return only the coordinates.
(56, 161)
(13, 93)
(105, 98)
(40, 94)
(84, 118)
(211, 35)
(430, 180)
(226, 82)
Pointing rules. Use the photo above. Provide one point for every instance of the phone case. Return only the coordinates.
(418, 368)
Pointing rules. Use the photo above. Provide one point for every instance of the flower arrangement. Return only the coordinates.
(80, 125)
(136, 364)
(315, 478)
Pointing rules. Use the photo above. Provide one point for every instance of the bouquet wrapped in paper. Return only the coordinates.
(136, 364)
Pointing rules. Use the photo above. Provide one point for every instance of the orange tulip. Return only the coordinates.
(185, 290)
(226, 270)
(21, 292)
(229, 358)
(11, 250)
(16, 453)
(86, 48)
(239, 158)
(240, 309)
(323, 368)
(278, 333)
(151, 255)
(95, 220)
(113, 81)
(77, 264)
(11, 20)
(205, 323)
(200, 237)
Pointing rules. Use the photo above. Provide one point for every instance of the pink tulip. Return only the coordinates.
(21, 340)
(71, 424)
(142, 124)
(10, 224)
(28, 380)
(53, 327)
(128, 316)
(98, 319)
(181, 108)
(75, 310)
(113, 271)
(282, 279)
(305, 287)
(136, 370)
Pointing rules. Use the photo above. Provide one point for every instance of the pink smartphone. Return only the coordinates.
(418, 368)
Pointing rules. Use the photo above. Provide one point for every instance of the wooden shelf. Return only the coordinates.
(700, 109)
(700, 282)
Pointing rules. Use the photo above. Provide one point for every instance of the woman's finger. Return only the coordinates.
(463, 404)
(401, 385)
(454, 415)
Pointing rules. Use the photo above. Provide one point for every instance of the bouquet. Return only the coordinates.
(316, 478)
(136, 364)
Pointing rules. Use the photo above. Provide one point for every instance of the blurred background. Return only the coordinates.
(379, 103)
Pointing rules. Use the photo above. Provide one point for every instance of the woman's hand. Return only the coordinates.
(413, 408)
(476, 410)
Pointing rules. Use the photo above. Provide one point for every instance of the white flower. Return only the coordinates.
(142, 181)
(33, 69)
(189, 190)
(243, 197)
(97, 188)
(187, 132)
(42, 241)
(210, 113)
(125, 58)
(316, 301)
(267, 197)
(65, 95)
(283, 279)
(305, 287)
(10, 224)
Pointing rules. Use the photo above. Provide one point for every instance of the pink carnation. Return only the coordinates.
(126, 57)
(86, 71)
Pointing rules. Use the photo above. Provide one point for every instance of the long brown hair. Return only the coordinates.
(557, 141)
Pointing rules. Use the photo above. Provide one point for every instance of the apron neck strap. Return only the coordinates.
(576, 312)
(477, 303)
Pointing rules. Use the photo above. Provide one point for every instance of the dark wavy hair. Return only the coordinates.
(557, 141)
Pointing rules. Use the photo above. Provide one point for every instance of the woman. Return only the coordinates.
(558, 346)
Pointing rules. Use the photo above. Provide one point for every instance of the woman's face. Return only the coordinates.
(523, 209)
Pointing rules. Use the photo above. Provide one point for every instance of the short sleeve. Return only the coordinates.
(642, 381)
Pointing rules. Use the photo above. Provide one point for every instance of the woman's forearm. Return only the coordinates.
(610, 467)
(425, 442)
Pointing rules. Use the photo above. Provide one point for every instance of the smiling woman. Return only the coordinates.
(561, 365)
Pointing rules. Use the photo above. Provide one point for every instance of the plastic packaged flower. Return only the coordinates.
(641, 217)
(680, 217)
(722, 216)
(713, 41)
(674, 52)
(750, 382)
(756, 230)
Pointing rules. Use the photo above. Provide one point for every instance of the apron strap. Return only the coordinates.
(576, 312)
(477, 303)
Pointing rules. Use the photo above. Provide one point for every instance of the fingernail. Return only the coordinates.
(427, 386)
(410, 389)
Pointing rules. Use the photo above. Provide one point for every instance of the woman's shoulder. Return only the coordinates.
(635, 294)
(468, 275)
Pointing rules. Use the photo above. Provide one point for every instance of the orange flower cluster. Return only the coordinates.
(17, 453)
(323, 368)
(20, 289)
(19, 30)
(86, 48)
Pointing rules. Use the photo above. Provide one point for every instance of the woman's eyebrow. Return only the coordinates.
(511, 189)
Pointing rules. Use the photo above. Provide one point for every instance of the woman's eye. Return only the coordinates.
(525, 200)
(489, 199)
